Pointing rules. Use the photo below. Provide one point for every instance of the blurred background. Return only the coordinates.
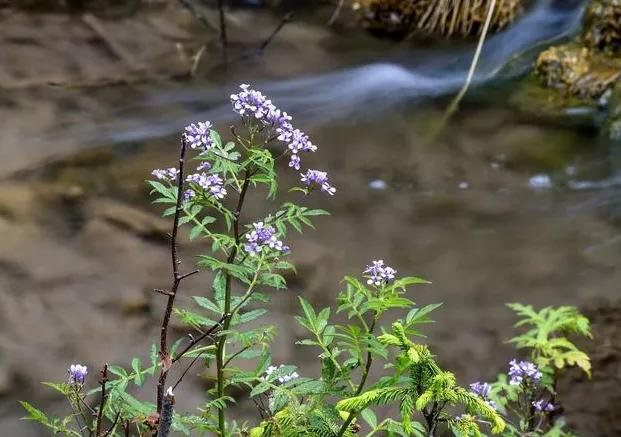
(516, 199)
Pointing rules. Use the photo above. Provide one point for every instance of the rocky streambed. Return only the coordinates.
(504, 206)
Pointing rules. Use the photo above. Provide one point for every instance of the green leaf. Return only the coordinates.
(34, 413)
(369, 417)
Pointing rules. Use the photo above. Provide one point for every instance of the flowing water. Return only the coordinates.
(508, 203)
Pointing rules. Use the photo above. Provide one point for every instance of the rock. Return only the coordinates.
(132, 219)
(602, 24)
(577, 70)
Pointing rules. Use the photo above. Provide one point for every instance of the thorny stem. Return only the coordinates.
(363, 380)
(177, 278)
(102, 402)
(220, 353)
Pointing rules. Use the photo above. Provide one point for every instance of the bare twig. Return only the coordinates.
(336, 12)
(187, 369)
(454, 105)
(116, 420)
(102, 402)
(284, 20)
(223, 38)
(187, 4)
(195, 341)
(177, 278)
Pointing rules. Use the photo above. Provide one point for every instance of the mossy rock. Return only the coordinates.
(602, 25)
(444, 18)
(578, 70)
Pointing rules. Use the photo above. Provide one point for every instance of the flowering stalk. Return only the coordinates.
(221, 346)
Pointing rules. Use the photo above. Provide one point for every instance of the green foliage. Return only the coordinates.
(546, 336)
(374, 327)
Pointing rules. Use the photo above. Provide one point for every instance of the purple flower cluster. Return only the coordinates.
(316, 178)
(379, 274)
(263, 236)
(543, 406)
(483, 389)
(212, 183)
(523, 371)
(165, 174)
(198, 136)
(253, 103)
(77, 374)
(297, 141)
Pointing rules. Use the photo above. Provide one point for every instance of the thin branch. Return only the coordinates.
(284, 20)
(187, 369)
(116, 420)
(223, 38)
(177, 277)
(454, 105)
(102, 402)
(336, 12)
(195, 341)
(187, 4)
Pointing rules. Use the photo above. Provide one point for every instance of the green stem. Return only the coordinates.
(363, 380)
(221, 348)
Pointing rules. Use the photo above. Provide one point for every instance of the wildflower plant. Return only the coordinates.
(369, 346)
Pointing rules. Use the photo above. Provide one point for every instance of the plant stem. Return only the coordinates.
(363, 380)
(102, 402)
(221, 352)
(177, 278)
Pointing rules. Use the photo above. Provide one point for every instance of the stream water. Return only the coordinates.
(508, 203)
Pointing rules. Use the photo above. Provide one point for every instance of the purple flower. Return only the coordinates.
(254, 104)
(523, 371)
(212, 183)
(295, 162)
(297, 141)
(317, 178)
(203, 166)
(77, 374)
(481, 389)
(198, 135)
(378, 274)
(165, 174)
(543, 406)
(263, 236)
(189, 194)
